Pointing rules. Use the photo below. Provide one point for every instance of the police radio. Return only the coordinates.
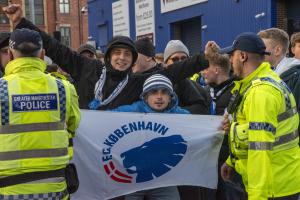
(234, 102)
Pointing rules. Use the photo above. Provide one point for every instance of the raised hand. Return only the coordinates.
(211, 49)
(14, 13)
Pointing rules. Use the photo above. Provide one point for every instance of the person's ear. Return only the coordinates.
(243, 56)
(217, 69)
(293, 50)
(10, 54)
(42, 54)
(277, 50)
(148, 59)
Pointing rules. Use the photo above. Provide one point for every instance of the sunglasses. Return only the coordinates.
(177, 59)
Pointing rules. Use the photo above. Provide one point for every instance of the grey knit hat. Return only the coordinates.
(155, 82)
(175, 46)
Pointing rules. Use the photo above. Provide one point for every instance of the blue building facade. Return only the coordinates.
(218, 20)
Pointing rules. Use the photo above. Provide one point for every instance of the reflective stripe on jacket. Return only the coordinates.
(37, 111)
(264, 138)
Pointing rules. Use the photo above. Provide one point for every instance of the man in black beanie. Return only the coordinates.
(146, 53)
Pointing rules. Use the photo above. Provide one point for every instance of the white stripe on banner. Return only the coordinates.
(120, 153)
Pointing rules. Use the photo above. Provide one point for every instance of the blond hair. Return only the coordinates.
(278, 37)
(295, 38)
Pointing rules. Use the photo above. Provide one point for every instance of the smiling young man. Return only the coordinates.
(109, 85)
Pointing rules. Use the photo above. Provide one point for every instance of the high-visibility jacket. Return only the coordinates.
(263, 136)
(38, 112)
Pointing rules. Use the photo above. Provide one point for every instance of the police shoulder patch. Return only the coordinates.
(34, 102)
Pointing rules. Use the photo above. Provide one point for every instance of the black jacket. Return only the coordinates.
(192, 97)
(86, 72)
(292, 78)
(222, 100)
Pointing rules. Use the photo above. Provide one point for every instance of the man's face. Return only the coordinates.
(140, 63)
(158, 99)
(176, 57)
(296, 50)
(237, 64)
(121, 58)
(210, 74)
(270, 47)
(88, 54)
(4, 57)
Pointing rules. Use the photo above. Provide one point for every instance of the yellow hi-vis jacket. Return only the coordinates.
(38, 112)
(263, 137)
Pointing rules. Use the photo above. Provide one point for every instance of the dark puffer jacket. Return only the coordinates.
(192, 97)
(292, 78)
(86, 72)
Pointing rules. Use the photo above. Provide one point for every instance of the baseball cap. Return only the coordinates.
(20, 36)
(249, 42)
(4, 38)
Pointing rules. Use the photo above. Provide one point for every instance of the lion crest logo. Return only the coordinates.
(155, 157)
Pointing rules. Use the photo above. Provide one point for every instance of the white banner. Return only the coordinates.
(120, 18)
(144, 19)
(120, 153)
(169, 5)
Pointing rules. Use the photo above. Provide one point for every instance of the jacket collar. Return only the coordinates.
(244, 83)
(25, 64)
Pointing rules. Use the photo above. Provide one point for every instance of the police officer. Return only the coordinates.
(264, 130)
(38, 112)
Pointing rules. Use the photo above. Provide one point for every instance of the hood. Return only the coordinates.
(286, 64)
(170, 109)
(25, 64)
(123, 42)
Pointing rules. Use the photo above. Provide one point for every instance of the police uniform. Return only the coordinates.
(264, 137)
(38, 112)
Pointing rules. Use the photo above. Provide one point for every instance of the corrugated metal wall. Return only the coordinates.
(224, 19)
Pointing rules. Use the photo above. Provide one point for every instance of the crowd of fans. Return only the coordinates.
(131, 77)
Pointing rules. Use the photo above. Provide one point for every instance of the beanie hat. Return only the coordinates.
(174, 46)
(87, 47)
(144, 46)
(120, 42)
(155, 82)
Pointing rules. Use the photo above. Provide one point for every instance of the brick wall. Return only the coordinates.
(281, 15)
(76, 20)
(54, 19)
